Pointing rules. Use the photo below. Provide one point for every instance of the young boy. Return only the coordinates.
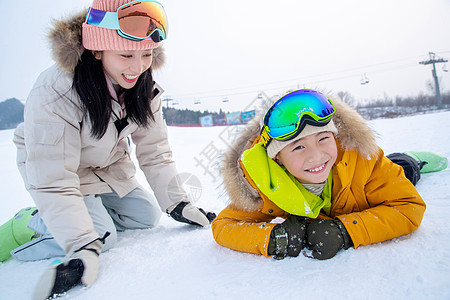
(317, 166)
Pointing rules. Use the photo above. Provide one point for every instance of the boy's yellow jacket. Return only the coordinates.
(370, 194)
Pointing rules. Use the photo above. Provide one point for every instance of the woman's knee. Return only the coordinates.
(148, 212)
(137, 210)
(154, 215)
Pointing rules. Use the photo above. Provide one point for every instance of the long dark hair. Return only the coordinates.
(90, 84)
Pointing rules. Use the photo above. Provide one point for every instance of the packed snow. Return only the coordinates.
(178, 261)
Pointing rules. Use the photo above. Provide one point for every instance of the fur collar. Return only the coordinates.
(65, 42)
(353, 134)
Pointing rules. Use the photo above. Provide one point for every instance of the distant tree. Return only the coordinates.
(184, 116)
(11, 113)
(392, 107)
(446, 98)
(346, 97)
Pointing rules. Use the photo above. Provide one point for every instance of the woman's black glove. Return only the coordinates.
(287, 238)
(80, 268)
(187, 213)
(326, 237)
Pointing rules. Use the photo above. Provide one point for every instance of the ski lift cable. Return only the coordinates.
(216, 93)
(316, 82)
(312, 76)
(295, 86)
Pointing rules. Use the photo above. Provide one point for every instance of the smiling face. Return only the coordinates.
(310, 158)
(125, 67)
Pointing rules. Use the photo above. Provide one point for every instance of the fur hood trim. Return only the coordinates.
(353, 134)
(66, 47)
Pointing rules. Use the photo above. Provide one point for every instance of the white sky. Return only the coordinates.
(236, 48)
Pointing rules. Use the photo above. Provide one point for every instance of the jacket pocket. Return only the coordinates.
(45, 163)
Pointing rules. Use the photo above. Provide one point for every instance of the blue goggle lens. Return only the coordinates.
(293, 111)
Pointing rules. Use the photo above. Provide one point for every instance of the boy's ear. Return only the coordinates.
(277, 160)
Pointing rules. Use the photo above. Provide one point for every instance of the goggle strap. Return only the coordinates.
(265, 137)
(103, 19)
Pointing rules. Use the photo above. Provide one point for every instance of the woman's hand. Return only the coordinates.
(187, 213)
(80, 268)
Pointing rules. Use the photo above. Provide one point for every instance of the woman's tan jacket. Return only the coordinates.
(59, 159)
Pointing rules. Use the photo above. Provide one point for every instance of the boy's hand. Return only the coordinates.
(80, 268)
(326, 237)
(287, 238)
(187, 213)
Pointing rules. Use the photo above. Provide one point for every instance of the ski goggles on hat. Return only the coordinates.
(288, 116)
(136, 20)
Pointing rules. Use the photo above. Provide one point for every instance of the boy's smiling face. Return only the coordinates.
(310, 158)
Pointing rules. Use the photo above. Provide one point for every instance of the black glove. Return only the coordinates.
(187, 213)
(287, 238)
(80, 268)
(326, 237)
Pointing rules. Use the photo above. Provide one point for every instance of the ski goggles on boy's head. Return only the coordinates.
(288, 116)
(136, 20)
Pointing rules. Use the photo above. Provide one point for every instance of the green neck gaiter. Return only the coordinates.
(283, 188)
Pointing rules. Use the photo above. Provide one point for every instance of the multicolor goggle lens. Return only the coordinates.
(287, 117)
(136, 20)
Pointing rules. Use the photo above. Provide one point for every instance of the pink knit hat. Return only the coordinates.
(97, 38)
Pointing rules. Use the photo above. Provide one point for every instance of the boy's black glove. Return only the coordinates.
(326, 237)
(287, 238)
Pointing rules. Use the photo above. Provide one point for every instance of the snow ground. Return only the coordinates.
(177, 261)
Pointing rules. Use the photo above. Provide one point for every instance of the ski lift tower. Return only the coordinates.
(433, 60)
(167, 100)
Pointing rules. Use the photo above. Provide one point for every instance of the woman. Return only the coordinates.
(74, 145)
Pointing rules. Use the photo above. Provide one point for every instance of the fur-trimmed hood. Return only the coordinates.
(66, 47)
(353, 134)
